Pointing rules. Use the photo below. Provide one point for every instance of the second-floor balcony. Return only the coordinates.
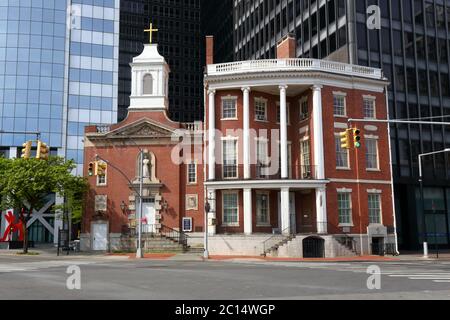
(230, 172)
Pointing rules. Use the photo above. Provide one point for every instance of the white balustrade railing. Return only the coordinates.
(293, 65)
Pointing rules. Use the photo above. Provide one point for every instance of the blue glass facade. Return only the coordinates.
(32, 64)
(58, 70)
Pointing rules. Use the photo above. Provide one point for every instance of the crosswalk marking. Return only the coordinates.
(38, 265)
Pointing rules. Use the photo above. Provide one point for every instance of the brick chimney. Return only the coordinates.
(209, 50)
(287, 47)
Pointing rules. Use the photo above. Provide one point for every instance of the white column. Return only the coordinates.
(283, 133)
(319, 159)
(139, 83)
(284, 208)
(248, 221)
(211, 135)
(246, 135)
(212, 215)
(133, 84)
(321, 214)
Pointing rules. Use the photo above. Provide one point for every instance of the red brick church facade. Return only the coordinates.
(270, 161)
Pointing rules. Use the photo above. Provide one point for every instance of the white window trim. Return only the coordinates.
(376, 192)
(221, 108)
(102, 184)
(374, 100)
(343, 95)
(265, 101)
(337, 135)
(301, 101)
(375, 138)
(349, 192)
(196, 172)
(230, 138)
(223, 209)
(268, 224)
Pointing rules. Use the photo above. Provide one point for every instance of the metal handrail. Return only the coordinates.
(176, 235)
(283, 238)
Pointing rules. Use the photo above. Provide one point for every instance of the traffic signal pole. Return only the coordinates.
(421, 122)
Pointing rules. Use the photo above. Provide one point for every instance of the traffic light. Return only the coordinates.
(357, 138)
(101, 169)
(91, 168)
(345, 139)
(42, 151)
(26, 151)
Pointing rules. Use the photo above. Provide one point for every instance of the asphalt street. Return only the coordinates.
(122, 278)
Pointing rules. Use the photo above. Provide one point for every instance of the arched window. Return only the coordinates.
(148, 84)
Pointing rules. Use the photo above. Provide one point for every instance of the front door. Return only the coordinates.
(100, 233)
(292, 213)
(148, 214)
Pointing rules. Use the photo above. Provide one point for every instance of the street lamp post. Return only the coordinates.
(141, 185)
(425, 242)
(205, 239)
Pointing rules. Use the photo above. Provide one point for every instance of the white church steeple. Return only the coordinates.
(149, 81)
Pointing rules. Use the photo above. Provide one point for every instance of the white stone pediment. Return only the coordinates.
(144, 128)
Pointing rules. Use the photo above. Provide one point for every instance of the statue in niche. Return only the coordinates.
(146, 167)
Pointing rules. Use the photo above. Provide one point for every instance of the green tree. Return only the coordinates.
(25, 183)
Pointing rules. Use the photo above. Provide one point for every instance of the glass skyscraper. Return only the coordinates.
(58, 73)
(412, 47)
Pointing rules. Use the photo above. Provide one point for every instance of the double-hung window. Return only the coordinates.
(230, 159)
(262, 158)
(342, 155)
(371, 154)
(339, 104)
(230, 209)
(229, 111)
(260, 110)
(192, 173)
(369, 108)
(304, 112)
(305, 159)
(345, 208)
(262, 209)
(374, 206)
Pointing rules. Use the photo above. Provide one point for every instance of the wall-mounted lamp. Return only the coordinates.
(164, 205)
(124, 207)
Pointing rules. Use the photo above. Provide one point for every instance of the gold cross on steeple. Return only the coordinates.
(151, 30)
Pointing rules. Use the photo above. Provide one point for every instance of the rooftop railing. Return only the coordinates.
(272, 65)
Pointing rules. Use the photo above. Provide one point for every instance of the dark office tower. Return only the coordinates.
(412, 48)
(179, 41)
(217, 21)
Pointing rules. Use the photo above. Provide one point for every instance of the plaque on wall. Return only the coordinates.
(192, 202)
(101, 203)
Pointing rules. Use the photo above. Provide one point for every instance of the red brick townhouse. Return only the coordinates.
(275, 162)
(272, 169)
